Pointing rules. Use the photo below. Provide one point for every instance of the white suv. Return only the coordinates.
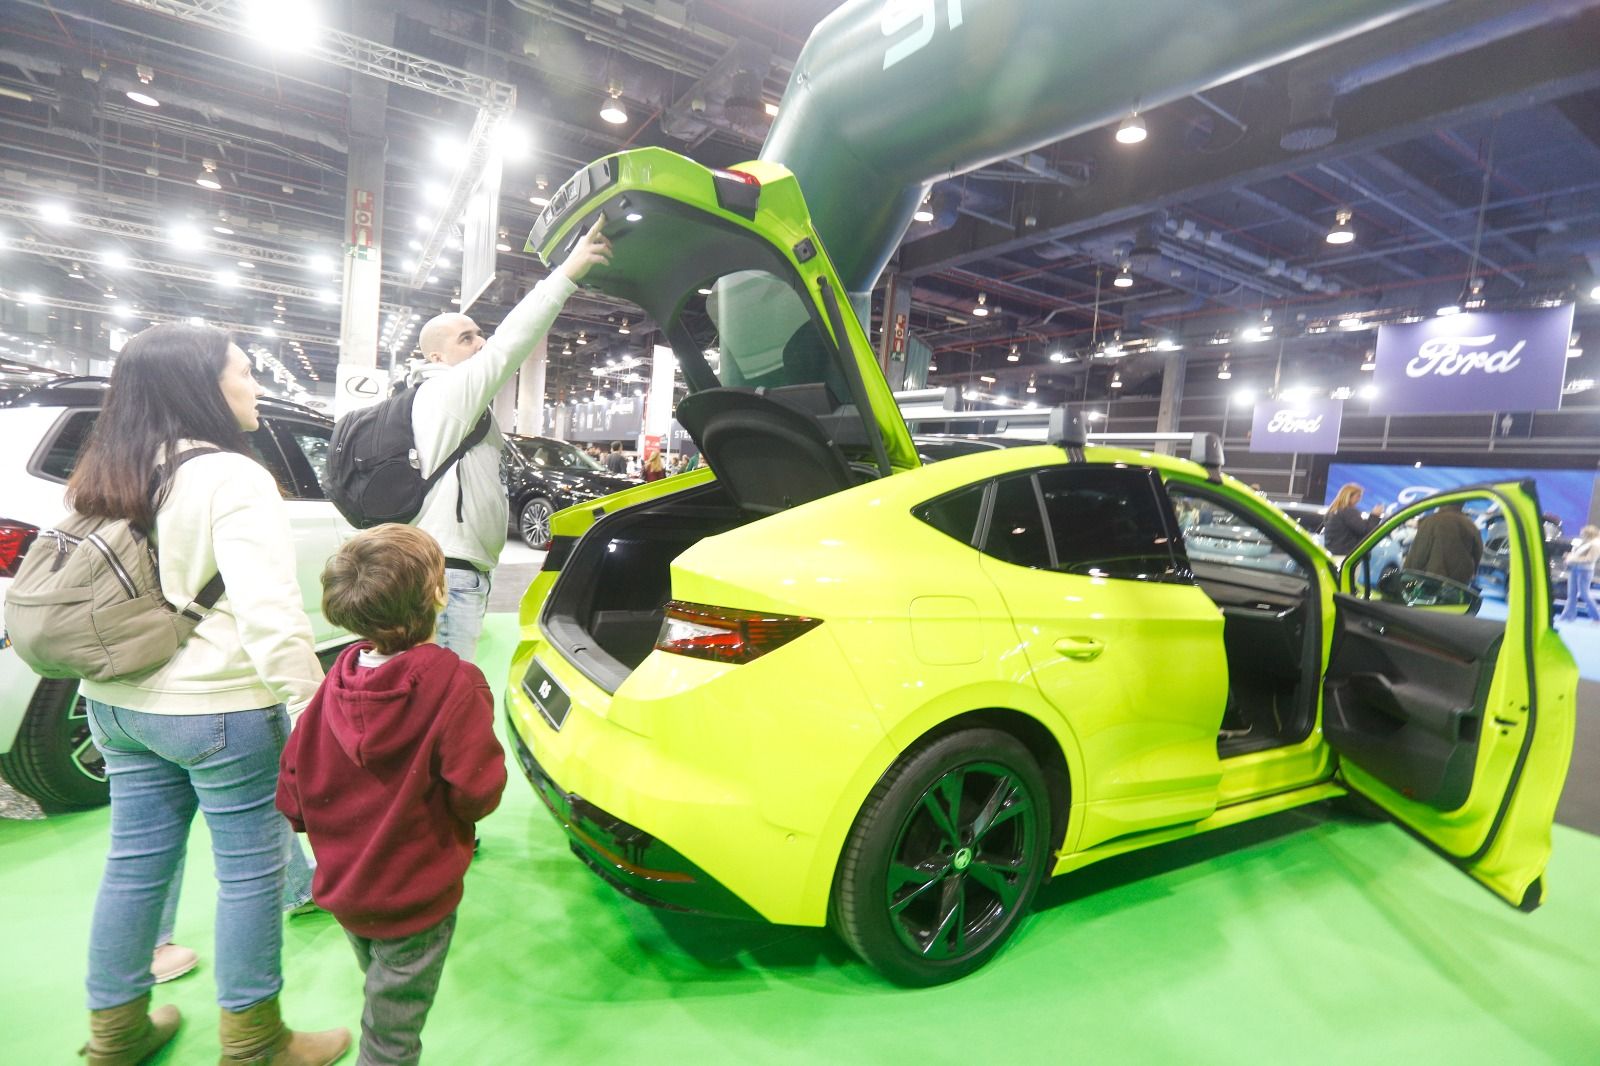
(45, 749)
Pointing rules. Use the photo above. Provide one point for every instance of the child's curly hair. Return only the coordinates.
(384, 584)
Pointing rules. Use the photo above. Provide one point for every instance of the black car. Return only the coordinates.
(542, 476)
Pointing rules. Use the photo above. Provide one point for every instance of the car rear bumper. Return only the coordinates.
(698, 769)
(623, 855)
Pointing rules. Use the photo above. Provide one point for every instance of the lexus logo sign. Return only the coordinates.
(363, 387)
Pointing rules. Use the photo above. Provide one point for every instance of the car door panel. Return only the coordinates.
(1147, 730)
(1406, 696)
(1459, 726)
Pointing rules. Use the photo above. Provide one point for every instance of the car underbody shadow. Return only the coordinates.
(1123, 870)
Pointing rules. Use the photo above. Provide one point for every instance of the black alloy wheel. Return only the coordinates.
(945, 858)
(534, 523)
(53, 758)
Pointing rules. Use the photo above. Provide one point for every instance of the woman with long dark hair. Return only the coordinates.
(204, 730)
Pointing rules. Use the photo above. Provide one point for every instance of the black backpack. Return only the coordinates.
(374, 471)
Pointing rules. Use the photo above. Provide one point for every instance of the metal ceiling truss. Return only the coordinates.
(494, 100)
(245, 281)
(393, 65)
(139, 231)
(65, 304)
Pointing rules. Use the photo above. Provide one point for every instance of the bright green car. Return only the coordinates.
(820, 683)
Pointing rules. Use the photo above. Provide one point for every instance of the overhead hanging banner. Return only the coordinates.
(480, 232)
(1484, 361)
(1310, 427)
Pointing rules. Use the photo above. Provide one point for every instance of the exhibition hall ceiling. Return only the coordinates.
(155, 164)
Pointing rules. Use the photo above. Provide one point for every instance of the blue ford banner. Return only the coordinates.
(1563, 493)
(1484, 361)
(1310, 427)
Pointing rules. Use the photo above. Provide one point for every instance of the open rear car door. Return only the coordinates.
(1452, 712)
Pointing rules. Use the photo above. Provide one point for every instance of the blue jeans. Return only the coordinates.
(162, 768)
(466, 602)
(296, 886)
(1578, 579)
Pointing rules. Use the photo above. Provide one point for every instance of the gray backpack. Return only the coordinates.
(87, 602)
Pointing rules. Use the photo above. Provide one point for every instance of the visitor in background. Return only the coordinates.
(466, 510)
(390, 767)
(204, 730)
(1346, 524)
(616, 462)
(1447, 545)
(654, 468)
(1580, 573)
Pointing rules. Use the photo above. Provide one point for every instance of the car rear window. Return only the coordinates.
(61, 455)
(1016, 525)
(955, 514)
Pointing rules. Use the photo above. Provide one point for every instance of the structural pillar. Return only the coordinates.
(363, 237)
(892, 339)
(530, 391)
(1171, 398)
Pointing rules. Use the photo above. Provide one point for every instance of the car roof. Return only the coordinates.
(91, 392)
(519, 437)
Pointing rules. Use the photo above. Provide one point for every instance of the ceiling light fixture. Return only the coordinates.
(1132, 130)
(1369, 361)
(612, 110)
(1447, 310)
(1116, 380)
(924, 211)
(55, 212)
(582, 337)
(1013, 355)
(1223, 373)
(982, 309)
(1123, 280)
(624, 327)
(146, 75)
(207, 178)
(76, 273)
(1341, 233)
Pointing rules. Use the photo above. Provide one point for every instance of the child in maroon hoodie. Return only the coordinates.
(386, 772)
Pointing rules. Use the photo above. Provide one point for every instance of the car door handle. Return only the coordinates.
(1081, 648)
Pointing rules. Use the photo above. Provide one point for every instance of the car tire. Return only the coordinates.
(954, 922)
(53, 758)
(533, 523)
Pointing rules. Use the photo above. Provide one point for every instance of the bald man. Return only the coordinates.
(466, 509)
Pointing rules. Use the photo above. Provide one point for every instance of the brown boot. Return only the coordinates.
(257, 1036)
(127, 1035)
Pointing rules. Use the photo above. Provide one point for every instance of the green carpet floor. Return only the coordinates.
(1298, 939)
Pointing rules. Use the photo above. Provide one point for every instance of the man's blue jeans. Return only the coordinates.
(162, 768)
(461, 621)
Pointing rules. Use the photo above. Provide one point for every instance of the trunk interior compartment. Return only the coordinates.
(605, 609)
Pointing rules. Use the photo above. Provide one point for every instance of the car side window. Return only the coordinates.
(1107, 521)
(954, 514)
(1216, 533)
(306, 445)
(1016, 525)
(61, 455)
(264, 450)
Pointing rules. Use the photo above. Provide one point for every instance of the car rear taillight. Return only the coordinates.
(14, 540)
(727, 634)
